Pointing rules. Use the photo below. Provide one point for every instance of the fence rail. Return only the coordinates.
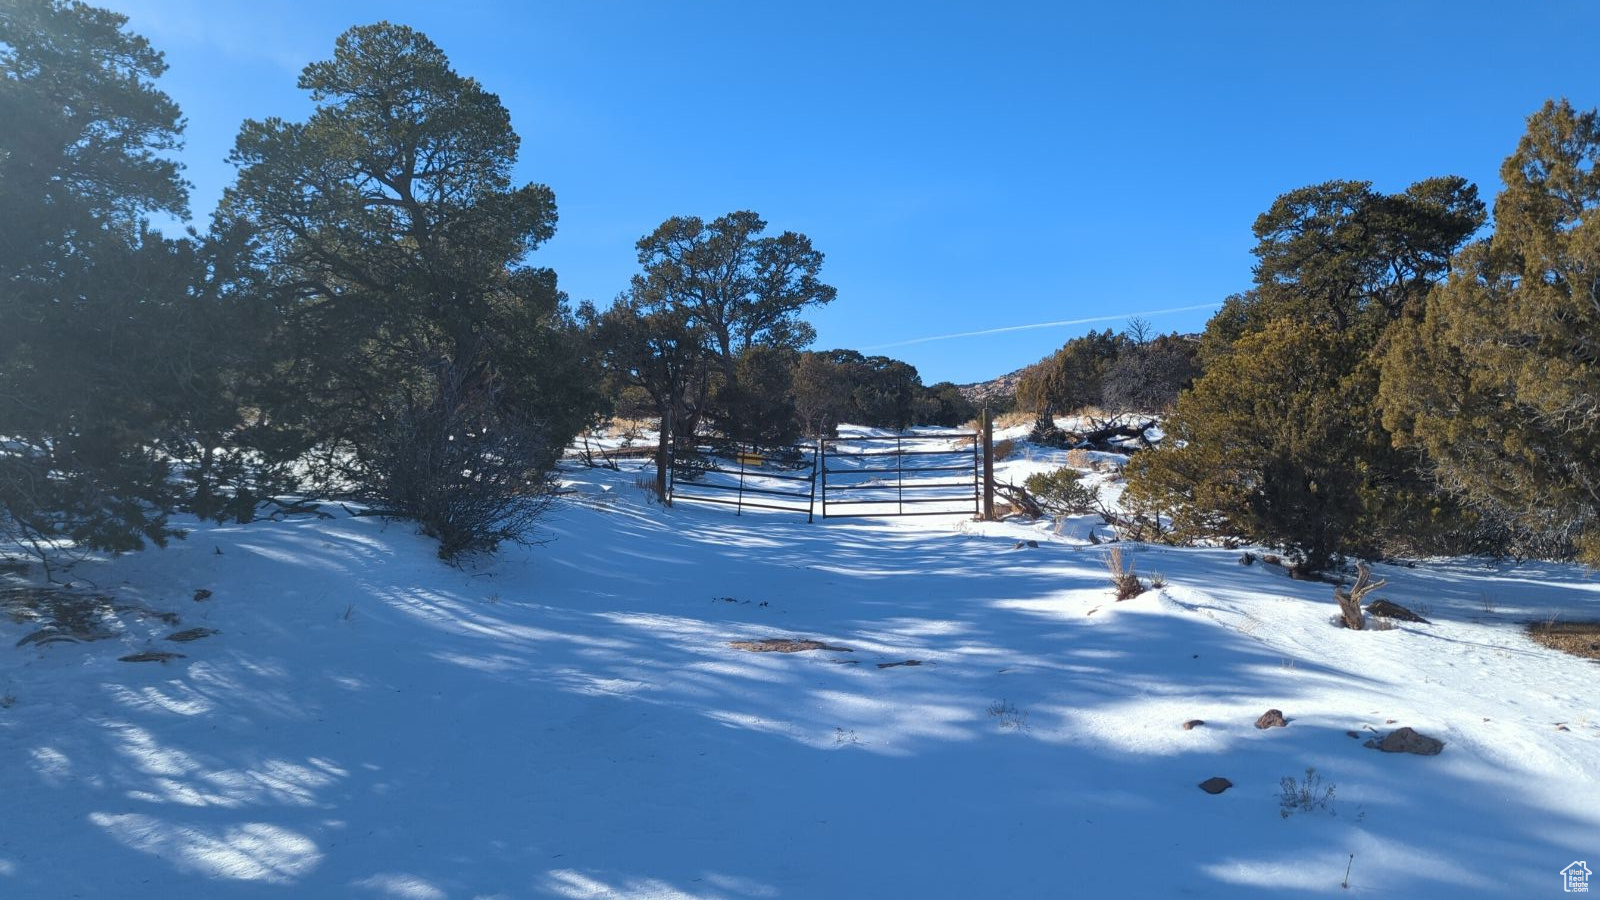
(737, 474)
(877, 475)
(856, 482)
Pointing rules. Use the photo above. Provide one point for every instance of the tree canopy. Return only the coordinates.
(419, 352)
(93, 301)
(1280, 440)
(1497, 380)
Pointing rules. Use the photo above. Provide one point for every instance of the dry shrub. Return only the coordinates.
(630, 428)
(1577, 638)
(1013, 418)
(1123, 579)
(1002, 448)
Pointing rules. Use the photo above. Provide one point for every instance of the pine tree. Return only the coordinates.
(93, 304)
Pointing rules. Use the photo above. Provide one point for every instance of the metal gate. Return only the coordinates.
(739, 474)
(901, 475)
(887, 475)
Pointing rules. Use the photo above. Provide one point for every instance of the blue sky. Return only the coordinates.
(965, 167)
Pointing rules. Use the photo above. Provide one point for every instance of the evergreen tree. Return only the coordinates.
(1071, 378)
(944, 404)
(709, 295)
(822, 387)
(428, 364)
(92, 302)
(1499, 380)
(1280, 440)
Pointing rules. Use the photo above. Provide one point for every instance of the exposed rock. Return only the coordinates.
(1394, 611)
(1406, 740)
(1354, 734)
(1192, 724)
(994, 389)
(909, 662)
(1272, 718)
(1034, 544)
(1215, 785)
(202, 594)
(191, 634)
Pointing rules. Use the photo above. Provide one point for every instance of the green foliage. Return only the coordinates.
(1072, 377)
(710, 294)
(757, 405)
(93, 305)
(1279, 443)
(944, 404)
(837, 386)
(1062, 492)
(1226, 326)
(1498, 380)
(822, 388)
(1258, 449)
(1135, 371)
(883, 391)
(1280, 440)
(1340, 252)
(427, 364)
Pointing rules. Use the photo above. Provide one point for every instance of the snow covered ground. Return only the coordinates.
(568, 720)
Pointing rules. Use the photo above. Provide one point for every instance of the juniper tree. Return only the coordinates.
(437, 372)
(1072, 377)
(708, 294)
(1499, 380)
(1280, 440)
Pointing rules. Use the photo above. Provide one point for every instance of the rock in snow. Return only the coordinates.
(1272, 718)
(1406, 740)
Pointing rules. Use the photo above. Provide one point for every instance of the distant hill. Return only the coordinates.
(993, 389)
(1006, 385)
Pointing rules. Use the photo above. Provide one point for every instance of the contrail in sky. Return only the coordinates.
(966, 334)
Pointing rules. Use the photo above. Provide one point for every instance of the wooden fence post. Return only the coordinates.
(988, 465)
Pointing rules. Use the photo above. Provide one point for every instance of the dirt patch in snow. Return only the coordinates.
(67, 615)
(785, 645)
(1577, 638)
(159, 656)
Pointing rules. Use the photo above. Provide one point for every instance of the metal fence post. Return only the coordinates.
(988, 465)
(822, 469)
(899, 476)
(739, 455)
(816, 463)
